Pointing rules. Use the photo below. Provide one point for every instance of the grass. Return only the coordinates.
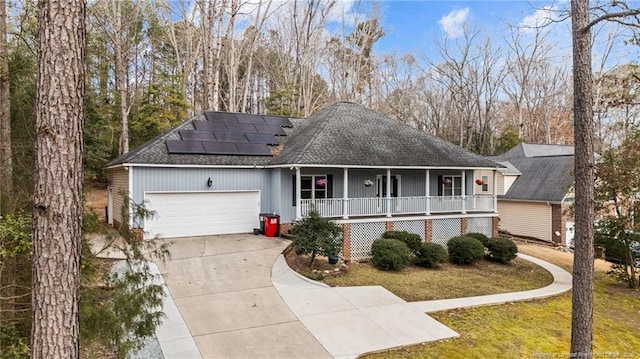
(419, 284)
(540, 328)
(449, 281)
(536, 328)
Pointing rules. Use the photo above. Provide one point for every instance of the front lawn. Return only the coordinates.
(540, 328)
(450, 281)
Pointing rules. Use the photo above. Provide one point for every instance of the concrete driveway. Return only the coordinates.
(221, 286)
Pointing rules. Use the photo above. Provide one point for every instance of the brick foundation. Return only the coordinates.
(346, 242)
(496, 226)
(463, 226)
(389, 226)
(285, 228)
(428, 230)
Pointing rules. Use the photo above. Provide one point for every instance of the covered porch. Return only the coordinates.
(345, 193)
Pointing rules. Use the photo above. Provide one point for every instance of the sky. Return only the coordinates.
(413, 26)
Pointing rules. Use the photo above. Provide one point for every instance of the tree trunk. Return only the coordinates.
(57, 213)
(121, 77)
(6, 165)
(582, 304)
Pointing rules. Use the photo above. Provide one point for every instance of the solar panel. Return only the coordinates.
(220, 116)
(253, 149)
(278, 121)
(241, 127)
(177, 146)
(230, 137)
(248, 118)
(272, 130)
(262, 138)
(221, 148)
(209, 126)
(197, 136)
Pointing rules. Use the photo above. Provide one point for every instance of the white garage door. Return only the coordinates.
(184, 214)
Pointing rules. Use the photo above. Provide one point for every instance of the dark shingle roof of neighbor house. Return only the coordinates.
(341, 134)
(546, 171)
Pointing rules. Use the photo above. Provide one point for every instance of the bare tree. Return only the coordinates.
(57, 200)
(582, 303)
(6, 165)
(119, 20)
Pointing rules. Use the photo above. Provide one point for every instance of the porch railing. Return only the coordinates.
(356, 207)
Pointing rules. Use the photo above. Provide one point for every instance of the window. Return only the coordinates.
(313, 187)
(485, 183)
(452, 185)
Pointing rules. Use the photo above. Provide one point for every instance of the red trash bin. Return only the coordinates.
(271, 225)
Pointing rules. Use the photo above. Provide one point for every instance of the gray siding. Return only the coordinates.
(195, 179)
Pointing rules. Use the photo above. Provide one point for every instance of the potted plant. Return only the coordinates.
(479, 182)
(367, 183)
(321, 182)
(446, 181)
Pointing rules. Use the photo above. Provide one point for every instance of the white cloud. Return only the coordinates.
(453, 23)
(542, 17)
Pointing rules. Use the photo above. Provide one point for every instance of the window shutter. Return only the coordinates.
(293, 191)
(439, 185)
(329, 186)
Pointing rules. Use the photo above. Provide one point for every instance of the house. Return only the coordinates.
(535, 189)
(216, 172)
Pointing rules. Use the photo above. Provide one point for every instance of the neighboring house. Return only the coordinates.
(534, 191)
(216, 172)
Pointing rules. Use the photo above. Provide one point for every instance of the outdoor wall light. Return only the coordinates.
(209, 182)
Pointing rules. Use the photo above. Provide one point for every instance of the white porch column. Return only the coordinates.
(427, 190)
(345, 194)
(495, 192)
(298, 191)
(464, 192)
(388, 192)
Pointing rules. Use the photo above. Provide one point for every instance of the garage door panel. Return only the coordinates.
(184, 214)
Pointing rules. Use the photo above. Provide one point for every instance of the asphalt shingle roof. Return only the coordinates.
(350, 134)
(546, 172)
(343, 134)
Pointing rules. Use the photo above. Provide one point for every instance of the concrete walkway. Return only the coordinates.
(351, 321)
(235, 297)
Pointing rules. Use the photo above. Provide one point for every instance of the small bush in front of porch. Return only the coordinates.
(411, 240)
(430, 255)
(479, 236)
(390, 254)
(465, 250)
(315, 235)
(502, 250)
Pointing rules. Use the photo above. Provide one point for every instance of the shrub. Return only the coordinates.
(390, 254)
(479, 236)
(502, 250)
(430, 255)
(465, 250)
(316, 235)
(412, 240)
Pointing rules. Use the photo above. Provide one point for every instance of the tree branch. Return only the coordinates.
(612, 17)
